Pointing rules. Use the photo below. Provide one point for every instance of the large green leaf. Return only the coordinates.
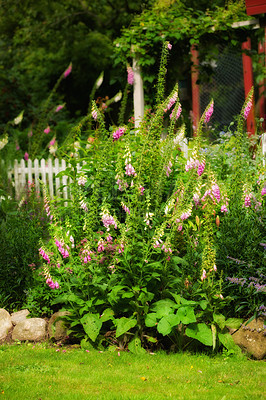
(201, 332)
(123, 325)
(135, 346)
(186, 315)
(228, 342)
(164, 307)
(92, 324)
(151, 320)
(107, 314)
(166, 324)
(219, 319)
(233, 323)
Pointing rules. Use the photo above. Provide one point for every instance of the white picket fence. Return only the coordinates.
(25, 173)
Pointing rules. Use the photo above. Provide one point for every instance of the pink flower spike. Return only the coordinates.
(224, 209)
(26, 156)
(94, 114)
(47, 130)
(247, 109)
(208, 113)
(130, 75)
(68, 70)
(60, 107)
(204, 275)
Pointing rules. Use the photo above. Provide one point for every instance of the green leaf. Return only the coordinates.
(164, 307)
(124, 324)
(151, 320)
(92, 325)
(203, 304)
(107, 315)
(219, 319)
(233, 323)
(179, 260)
(228, 342)
(167, 323)
(186, 315)
(200, 332)
(135, 346)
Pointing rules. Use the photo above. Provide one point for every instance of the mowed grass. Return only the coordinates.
(35, 372)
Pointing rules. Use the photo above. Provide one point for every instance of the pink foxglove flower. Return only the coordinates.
(47, 130)
(130, 75)
(52, 142)
(94, 114)
(118, 133)
(208, 113)
(109, 239)
(172, 101)
(247, 109)
(83, 205)
(224, 209)
(204, 275)
(44, 255)
(68, 70)
(59, 108)
(82, 180)
(178, 113)
(125, 208)
(185, 215)
(108, 220)
(26, 156)
(130, 170)
(216, 192)
(263, 191)
(169, 46)
(141, 189)
(248, 200)
(201, 168)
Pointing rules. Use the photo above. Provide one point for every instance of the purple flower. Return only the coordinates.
(130, 75)
(263, 191)
(47, 130)
(208, 113)
(247, 109)
(26, 156)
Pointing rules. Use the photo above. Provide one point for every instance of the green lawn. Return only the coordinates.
(35, 372)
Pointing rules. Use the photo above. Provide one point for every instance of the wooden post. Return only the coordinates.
(262, 86)
(195, 89)
(138, 94)
(248, 83)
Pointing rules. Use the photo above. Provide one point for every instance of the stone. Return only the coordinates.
(5, 324)
(251, 338)
(57, 328)
(18, 316)
(32, 329)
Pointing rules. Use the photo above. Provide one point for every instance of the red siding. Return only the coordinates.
(255, 7)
